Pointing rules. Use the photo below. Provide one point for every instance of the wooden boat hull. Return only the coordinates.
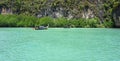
(41, 28)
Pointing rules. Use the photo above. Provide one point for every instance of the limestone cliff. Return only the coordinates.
(105, 10)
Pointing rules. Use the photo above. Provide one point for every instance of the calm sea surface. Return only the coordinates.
(59, 44)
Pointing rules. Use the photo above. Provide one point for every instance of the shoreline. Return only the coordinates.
(56, 27)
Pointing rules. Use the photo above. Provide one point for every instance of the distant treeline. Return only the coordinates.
(31, 21)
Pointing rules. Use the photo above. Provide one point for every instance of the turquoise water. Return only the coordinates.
(57, 44)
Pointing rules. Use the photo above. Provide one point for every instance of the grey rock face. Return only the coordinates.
(116, 16)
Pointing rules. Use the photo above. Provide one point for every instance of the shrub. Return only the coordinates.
(17, 21)
(31, 21)
(61, 22)
(108, 24)
(44, 21)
